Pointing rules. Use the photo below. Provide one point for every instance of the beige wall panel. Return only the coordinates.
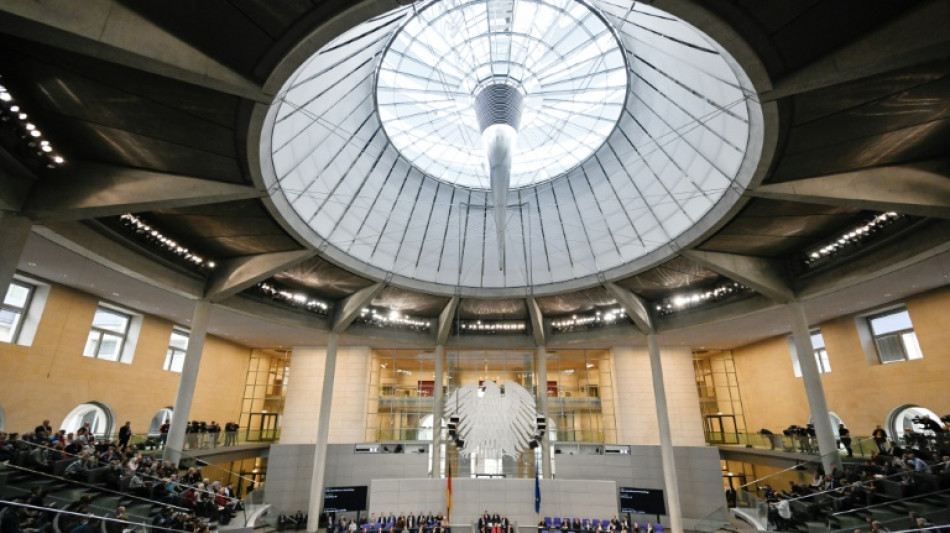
(862, 394)
(636, 405)
(349, 409)
(51, 377)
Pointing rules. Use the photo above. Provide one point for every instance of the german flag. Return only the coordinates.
(448, 492)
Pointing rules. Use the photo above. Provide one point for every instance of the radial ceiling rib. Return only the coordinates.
(921, 189)
(113, 32)
(762, 275)
(98, 190)
(234, 275)
(616, 153)
(917, 37)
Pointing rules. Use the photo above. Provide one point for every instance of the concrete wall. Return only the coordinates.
(290, 469)
(586, 485)
(49, 378)
(636, 404)
(698, 471)
(861, 393)
(513, 498)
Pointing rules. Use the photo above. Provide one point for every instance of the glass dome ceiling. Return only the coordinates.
(639, 133)
(559, 55)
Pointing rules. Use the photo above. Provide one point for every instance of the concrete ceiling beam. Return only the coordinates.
(349, 308)
(234, 275)
(637, 308)
(446, 319)
(85, 241)
(921, 189)
(108, 30)
(15, 182)
(91, 190)
(902, 252)
(537, 322)
(919, 36)
(761, 275)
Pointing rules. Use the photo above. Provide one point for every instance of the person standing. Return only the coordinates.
(125, 435)
(43, 430)
(163, 433)
(214, 431)
(880, 438)
(845, 437)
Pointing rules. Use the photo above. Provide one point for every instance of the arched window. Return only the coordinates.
(163, 414)
(902, 418)
(97, 416)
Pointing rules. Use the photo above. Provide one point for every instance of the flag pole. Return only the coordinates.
(448, 491)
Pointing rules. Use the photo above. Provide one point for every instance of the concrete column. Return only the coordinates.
(542, 366)
(14, 229)
(186, 383)
(438, 407)
(323, 434)
(801, 336)
(666, 438)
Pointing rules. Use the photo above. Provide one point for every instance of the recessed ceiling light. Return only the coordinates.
(31, 264)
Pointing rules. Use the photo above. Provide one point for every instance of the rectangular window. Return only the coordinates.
(107, 336)
(821, 355)
(177, 346)
(13, 310)
(894, 336)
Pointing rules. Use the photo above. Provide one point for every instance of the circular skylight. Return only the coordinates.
(559, 55)
(616, 134)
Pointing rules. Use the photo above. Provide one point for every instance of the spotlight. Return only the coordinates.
(533, 444)
(460, 443)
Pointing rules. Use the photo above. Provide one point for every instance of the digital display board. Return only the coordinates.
(642, 501)
(341, 499)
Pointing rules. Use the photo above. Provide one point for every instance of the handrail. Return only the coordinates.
(96, 487)
(892, 502)
(862, 483)
(87, 515)
(183, 454)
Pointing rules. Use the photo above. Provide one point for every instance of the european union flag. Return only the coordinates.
(537, 493)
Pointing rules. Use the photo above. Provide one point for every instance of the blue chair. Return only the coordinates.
(557, 522)
(595, 524)
(547, 521)
(658, 528)
(585, 523)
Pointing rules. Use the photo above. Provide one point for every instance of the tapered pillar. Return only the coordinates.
(542, 366)
(438, 407)
(187, 381)
(815, 392)
(14, 229)
(666, 438)
(323, 434)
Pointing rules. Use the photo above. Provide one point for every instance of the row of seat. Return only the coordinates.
(586, 523)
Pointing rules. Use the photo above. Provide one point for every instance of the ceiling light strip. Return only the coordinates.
(154, 236)
(32, 139)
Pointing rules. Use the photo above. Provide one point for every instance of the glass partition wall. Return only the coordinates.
(579, 391)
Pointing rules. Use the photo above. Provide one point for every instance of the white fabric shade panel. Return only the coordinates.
(681, 142)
